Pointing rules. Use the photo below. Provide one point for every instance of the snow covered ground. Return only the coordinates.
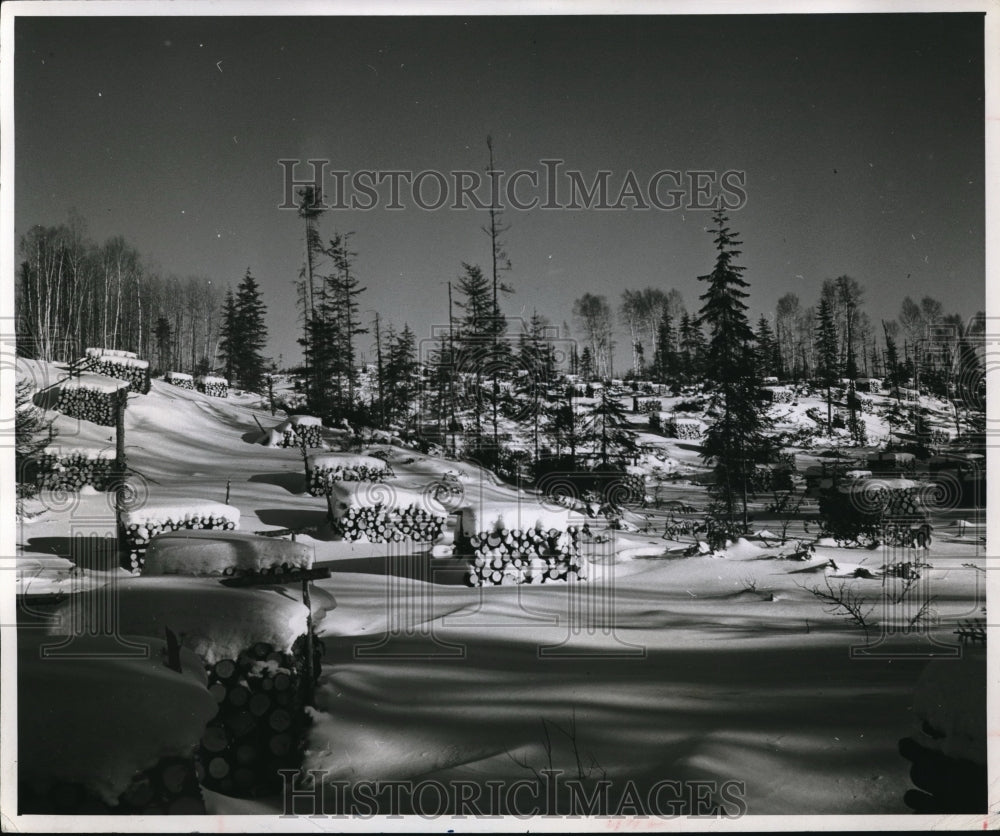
(722, 666)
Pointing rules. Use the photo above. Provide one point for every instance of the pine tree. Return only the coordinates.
(249, 364)
(827, 367)
(475, 337)
(665, 357)
(162, 334)
(229, 346)
(765, 348)
(401, 376)
(738, 439)
(607, 428)
(692, 352)
(345, 288)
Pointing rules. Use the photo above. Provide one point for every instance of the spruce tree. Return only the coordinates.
(665, 357)
(765, 348)
(827, 367)
(738, 439)
(607, 428)
(229, 346)
(249, 365)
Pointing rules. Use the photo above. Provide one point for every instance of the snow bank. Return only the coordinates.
(213, 620)
(100, 719)
(221, 552)
(950, 700)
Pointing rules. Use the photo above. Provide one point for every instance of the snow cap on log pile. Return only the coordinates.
(492, 516)
(301, 421)
(100, 719)
(178, 376)
(213, 620)
(212, 552)
(206, 380)
(332, 461)
(347, 495)
(112, 352)
(179, 511)
(61, 452)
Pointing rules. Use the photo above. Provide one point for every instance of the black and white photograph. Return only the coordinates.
(499, 416)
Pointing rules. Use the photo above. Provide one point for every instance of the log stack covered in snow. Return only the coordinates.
(252, 654)
(680, 426)
(123, 365)
(514, 544)
(141, 525)
(323, 471)
(213, 552)
(217, 387)
(301, 430)
(179, 379)
(62, 468)
(776, 394)
(89, 397)
(108, 732)
(381, 513)
(649, 406)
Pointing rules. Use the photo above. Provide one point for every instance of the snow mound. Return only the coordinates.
(213, 620)
(172, 512)
(221, 552)
(950, 703)
(100, 718)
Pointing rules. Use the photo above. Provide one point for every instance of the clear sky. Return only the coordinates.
(861, 137)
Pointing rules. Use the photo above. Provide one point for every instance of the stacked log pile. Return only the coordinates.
(261, 724)
(381, 513)
(776, 394)
(142, 525)
(88, 397)
(681, 427)
(213, 553)
(216, 387)
(299, 431)
(179, 379)
(122, 365)
(514, 556)
(324, 471)
(649, 406)
(72, 469)
(385, 524)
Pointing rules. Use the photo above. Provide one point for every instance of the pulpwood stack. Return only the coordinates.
(122, 365)
(62, 469)
(216, 387)
(138, 527)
